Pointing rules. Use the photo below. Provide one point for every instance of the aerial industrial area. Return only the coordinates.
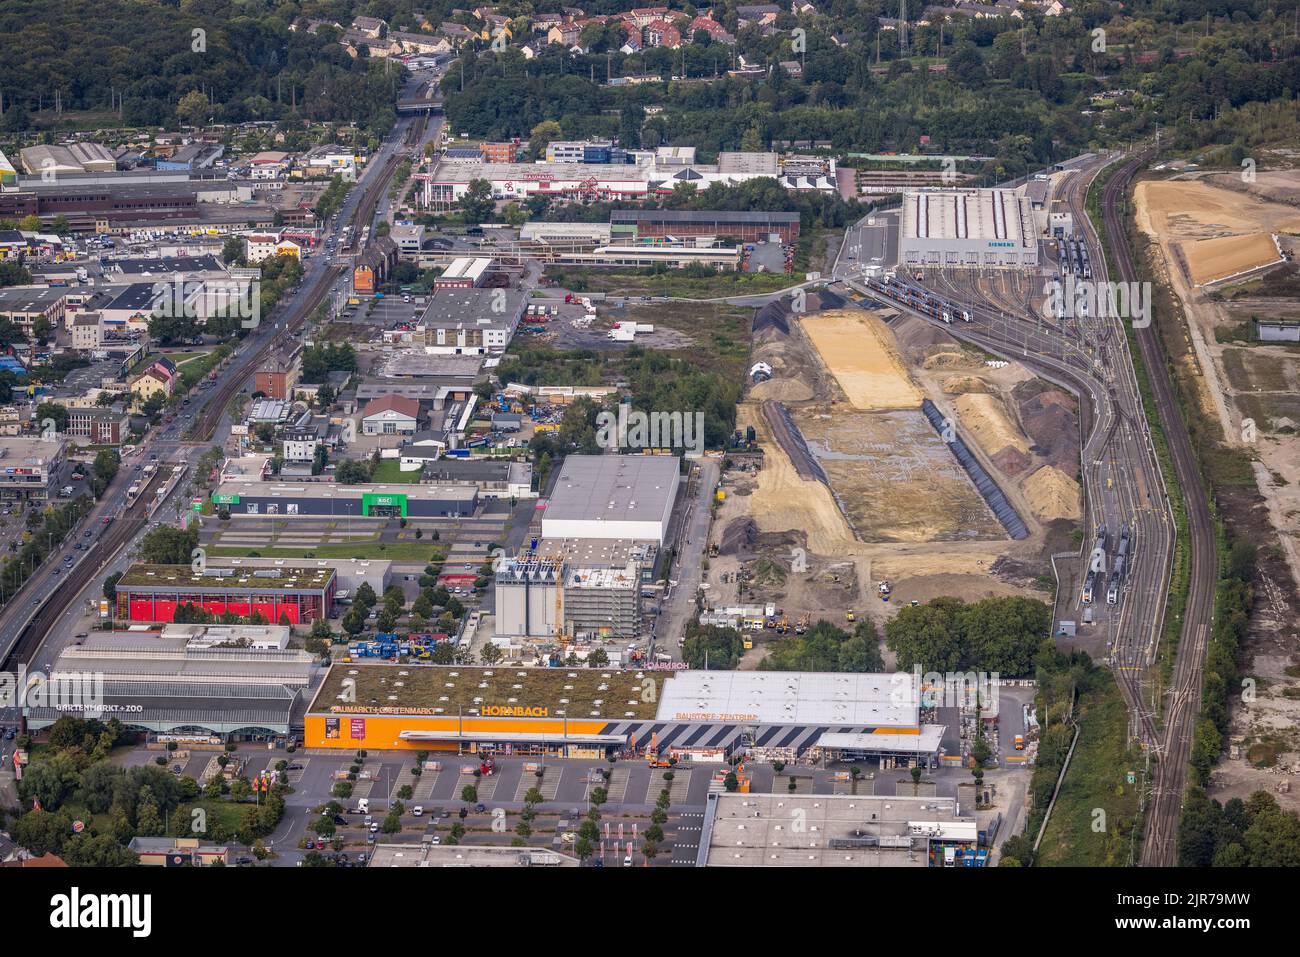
(467, 447)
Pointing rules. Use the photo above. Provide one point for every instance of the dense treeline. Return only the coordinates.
(1015, 89)
(1232, 604)
(245, 62)
(1251, 833)
(1000, 635)
(74, 778)
(1065, 682)
(826, 647)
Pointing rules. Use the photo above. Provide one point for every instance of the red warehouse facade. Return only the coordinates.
(153, 593)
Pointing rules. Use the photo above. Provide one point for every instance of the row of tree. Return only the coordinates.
(1002, 635)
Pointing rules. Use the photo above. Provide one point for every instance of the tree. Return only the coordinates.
(491, 653)
(366, 596)
(110, 587)
(352, 472)
(166, 545)
(104, 470)
(53, 412)
(542, 135)
(354, 622)
(469, 794)
(193, 109)
(514, 215)
(583, 848)
(929, 635)
(232, 251)
(597, 658)
(966, 66)
(477, 205)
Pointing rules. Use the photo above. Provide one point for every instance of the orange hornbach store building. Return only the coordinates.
(589, 712)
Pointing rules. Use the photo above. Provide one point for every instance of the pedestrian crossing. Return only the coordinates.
(486, 786)
(617, 787)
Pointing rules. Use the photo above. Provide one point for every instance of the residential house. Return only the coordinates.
(644, 16)
(661, 33)
(300, 443)
(85, 331)
(158, 379)
(99, 425)
(371, 27)
(713, 28)
(456, 33)
(760, 13)
(280, 373)
(375, 265)
(400, 43)
(262, 246)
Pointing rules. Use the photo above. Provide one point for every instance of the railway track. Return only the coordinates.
(103, 548)
(206, 424)
(134, 518)
(1183, 698)
(1121, 475)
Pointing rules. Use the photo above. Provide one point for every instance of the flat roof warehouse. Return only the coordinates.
(252, 497)
(446, 707)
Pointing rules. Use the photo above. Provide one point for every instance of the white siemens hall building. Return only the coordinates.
(967, 227)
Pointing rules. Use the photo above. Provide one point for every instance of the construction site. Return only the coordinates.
(858, 501)
(1225, 245)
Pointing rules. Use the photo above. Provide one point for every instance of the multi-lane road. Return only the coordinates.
(49, 595)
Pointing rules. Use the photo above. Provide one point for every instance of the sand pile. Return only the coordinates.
(962, 384)
(944, 356)
(782, 390)
(859, 350)
(985, 418)
(1211, 259)
(1011, 460)
(1053, 494)
(784, 501)
(1050, 421)
(1193, 209)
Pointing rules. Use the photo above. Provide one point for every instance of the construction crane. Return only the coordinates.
(561, 635)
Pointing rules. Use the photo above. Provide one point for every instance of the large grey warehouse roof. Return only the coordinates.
(976, 214)
(627, 488)
(473, 306)
(699, 216)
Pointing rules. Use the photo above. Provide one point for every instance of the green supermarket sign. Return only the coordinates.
(225, 499)
(371, 500)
